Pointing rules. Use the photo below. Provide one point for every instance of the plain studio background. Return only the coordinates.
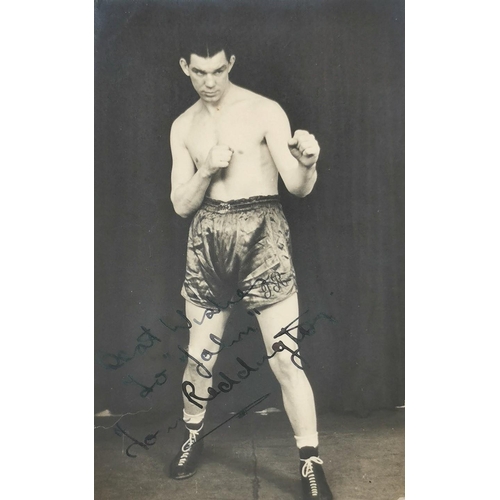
(337, 68)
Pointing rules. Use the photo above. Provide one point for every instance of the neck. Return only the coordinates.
(214, 106)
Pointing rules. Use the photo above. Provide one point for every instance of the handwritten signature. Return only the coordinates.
(146, 339)
(110, 361)
(150, 439)
(228, 383)
(304, 332)
(305, 329)
(161, 378)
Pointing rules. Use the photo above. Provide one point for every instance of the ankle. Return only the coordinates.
(194, 422)
(308, 451)
(194, 427)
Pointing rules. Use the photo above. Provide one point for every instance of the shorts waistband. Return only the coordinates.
(240, 204)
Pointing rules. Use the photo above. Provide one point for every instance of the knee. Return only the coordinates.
(197, 367)
(285, 371)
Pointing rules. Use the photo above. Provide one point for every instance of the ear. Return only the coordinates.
(232, 60)
(184, 66)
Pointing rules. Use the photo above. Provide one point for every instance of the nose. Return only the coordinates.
(209, 81)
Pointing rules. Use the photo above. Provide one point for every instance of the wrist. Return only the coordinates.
(308, 167)
(204, 172)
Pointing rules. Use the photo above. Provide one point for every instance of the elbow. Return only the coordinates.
(183, 214)
(180, 208)
(301, 195)
(301, 191)
(302, 187)
(182, 211)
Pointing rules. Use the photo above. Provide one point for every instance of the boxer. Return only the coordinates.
(228, 150)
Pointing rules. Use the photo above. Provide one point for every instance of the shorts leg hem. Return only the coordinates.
(197, 303)
(259, 303)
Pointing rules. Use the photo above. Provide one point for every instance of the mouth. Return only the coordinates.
(210, 94)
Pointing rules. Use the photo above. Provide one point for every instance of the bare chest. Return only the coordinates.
(242, 132)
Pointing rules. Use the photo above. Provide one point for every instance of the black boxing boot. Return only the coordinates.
(186, 461)
(314, 485)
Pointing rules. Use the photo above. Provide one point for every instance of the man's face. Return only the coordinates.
(209, 75)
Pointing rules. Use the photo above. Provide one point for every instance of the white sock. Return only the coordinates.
(194, 419)
(310, 440)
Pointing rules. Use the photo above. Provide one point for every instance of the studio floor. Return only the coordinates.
(250, 458)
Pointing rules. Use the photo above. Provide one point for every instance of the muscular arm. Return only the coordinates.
(299, 176)
(188, 185)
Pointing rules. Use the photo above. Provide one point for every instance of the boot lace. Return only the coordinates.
(308, 473)
(186, 447)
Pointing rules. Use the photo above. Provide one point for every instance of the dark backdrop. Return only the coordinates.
(337, 68)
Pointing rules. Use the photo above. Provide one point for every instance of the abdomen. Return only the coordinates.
(245, 177)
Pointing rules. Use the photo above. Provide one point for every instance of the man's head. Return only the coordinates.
(208, 61)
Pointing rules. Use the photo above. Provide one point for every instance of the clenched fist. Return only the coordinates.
(304, 147)
(218, 158)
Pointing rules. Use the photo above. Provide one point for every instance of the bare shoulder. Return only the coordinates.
(259, 101)
(264, 110)
(182, 123)
(272, 112)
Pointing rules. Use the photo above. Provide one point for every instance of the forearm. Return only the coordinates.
(188, 197)
(301, 180)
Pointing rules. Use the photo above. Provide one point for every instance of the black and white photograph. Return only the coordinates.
(249, 249)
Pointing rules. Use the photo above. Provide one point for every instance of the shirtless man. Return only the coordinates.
(228, 150)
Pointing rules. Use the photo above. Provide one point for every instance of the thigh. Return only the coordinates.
(282, 316)
(206, 332)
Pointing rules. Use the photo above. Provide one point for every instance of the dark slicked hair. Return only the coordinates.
(204, 44)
